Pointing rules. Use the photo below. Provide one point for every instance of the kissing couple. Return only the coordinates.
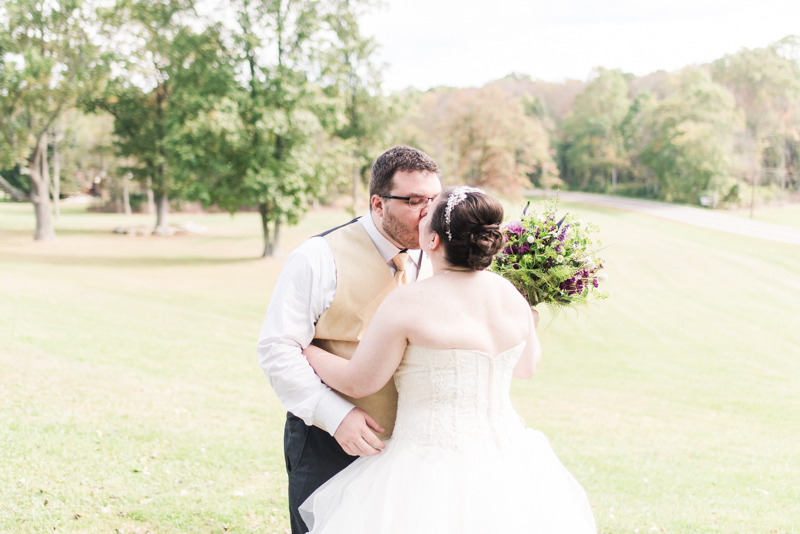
(393, 351)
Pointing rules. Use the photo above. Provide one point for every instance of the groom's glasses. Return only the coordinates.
(415, 203)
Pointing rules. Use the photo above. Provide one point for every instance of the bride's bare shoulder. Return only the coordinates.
(506, 290)
(407, 293)
(499, 281)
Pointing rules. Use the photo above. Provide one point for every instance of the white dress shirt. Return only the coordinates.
(305, 289)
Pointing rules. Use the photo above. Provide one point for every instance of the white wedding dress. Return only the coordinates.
(459, 461)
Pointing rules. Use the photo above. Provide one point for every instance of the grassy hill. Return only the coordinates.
(131, 397)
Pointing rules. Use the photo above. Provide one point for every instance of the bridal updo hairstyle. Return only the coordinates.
(475, 227)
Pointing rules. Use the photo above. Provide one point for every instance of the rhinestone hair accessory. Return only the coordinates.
(453, 200)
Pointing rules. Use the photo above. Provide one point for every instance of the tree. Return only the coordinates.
(483, 137)
(48, 61)
(167, 80)
(353, 80)
(593, 141)
(269, 135)
(261, 145)
(766, 84)
(496, 144)
(638, 131)
(690, 149)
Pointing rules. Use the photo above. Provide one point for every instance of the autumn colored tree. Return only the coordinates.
(483, 137)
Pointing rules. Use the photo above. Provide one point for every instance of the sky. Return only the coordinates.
(464, 43)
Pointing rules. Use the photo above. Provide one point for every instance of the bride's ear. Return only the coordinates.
(433, 242)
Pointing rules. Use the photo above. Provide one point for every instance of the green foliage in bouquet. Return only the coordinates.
(551, 262)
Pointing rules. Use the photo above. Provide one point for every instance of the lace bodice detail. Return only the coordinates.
(456, 399)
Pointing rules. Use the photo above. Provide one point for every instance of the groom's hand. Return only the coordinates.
(355, 436)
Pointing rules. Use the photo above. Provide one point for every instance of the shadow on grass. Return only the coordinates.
(122, 262)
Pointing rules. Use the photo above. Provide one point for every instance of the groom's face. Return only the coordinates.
(399, 221)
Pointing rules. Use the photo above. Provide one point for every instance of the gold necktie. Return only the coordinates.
(400, 263)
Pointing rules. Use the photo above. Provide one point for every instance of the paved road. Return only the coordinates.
(696, 216)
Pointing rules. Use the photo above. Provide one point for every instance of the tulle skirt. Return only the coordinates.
(412, 489)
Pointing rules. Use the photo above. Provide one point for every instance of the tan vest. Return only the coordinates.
(363, 280)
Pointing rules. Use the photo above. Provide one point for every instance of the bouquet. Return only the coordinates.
(551, 262)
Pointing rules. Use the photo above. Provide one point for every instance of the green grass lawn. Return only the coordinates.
(786, 215)
(132, 400)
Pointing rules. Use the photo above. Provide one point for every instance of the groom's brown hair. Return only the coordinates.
(399, 158)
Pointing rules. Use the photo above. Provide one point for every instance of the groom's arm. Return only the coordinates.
(305, 289)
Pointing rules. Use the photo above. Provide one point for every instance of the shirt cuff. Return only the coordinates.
(331, 410)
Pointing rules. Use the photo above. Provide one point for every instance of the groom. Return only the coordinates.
(326, 294)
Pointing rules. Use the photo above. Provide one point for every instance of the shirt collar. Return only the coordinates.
(386, 249)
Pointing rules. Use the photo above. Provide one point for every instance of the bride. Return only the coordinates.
(460, 460)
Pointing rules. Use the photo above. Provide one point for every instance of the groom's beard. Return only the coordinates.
(398, 232)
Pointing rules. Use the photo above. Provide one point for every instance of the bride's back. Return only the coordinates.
(474, 310)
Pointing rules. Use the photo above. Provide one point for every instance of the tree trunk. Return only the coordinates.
(753, 191)
(738, 189)
(544, 182)
(782, 164)
(44, 165)
(264, 211)
(613, 178)
(126, 197)
(151, 205)
(276, 235)
(56, 178)
(355, 185)
(40, 196)
(162, 209)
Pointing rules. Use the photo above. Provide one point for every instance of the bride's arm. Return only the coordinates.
(378, 354)
(529, 361)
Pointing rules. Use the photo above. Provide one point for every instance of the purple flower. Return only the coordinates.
(562, 235)
(596, 284)
(514, 227)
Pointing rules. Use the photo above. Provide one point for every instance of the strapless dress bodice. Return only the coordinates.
(456, 399)
(459, 461)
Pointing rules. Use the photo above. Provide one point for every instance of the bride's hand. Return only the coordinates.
(535, 317)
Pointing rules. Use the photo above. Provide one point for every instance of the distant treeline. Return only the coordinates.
(715, 134)
(280, 106)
